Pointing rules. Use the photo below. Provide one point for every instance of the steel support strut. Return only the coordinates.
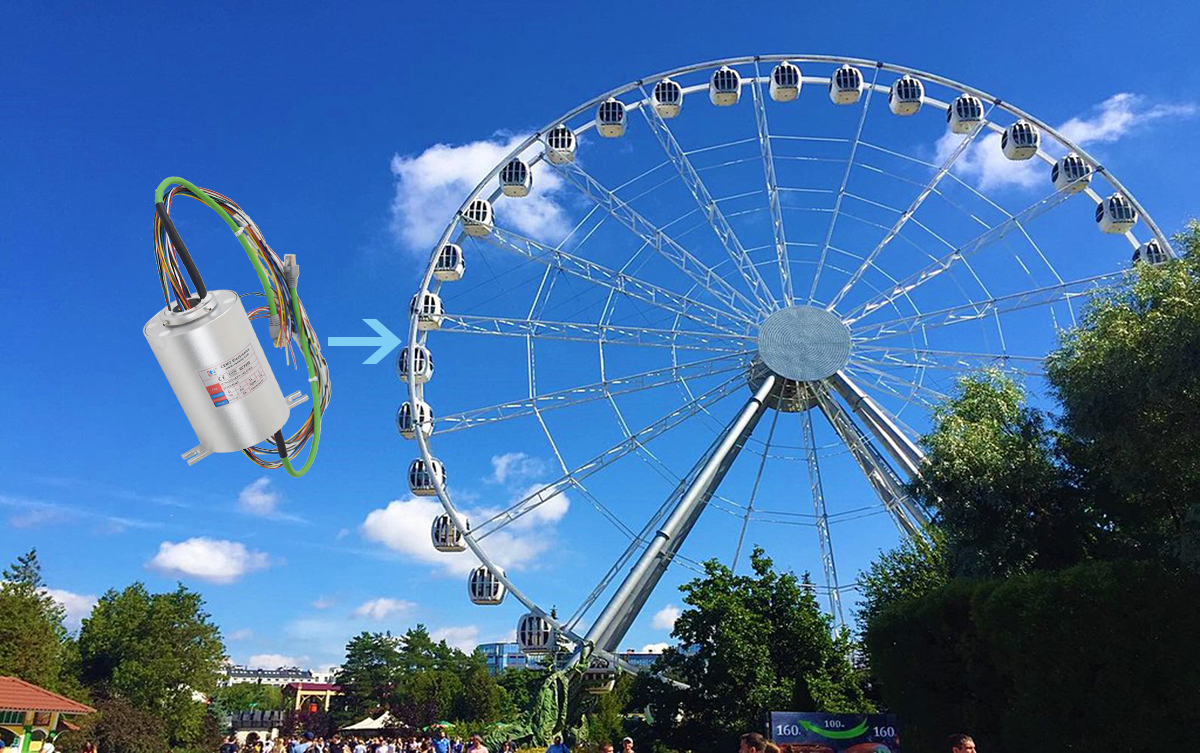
(695, 490)
(902, 449)
(909, 517)
(828, 563)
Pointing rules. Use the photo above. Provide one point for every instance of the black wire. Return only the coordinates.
(181, 249)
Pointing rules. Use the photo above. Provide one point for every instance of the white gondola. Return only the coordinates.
(535, 634)
(964, 114)
(1150, 252)
(485, 588)
(1072, 173)
(428, 308)
(409, 422)
(446, 536)
(450, 263)
(1116, 214)
(845, 85)
(516, 179)
(423, 361)
(1020, 140)
(785, 82)
(560, 145)
(477, 218)
(424, 480)
(600, 676)
(906, 96)
(610, 118)
(725, 88)
(667, 98)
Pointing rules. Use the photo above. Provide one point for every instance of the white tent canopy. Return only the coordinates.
(384, 721)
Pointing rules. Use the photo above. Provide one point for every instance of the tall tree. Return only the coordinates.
(154, 650)
(1004, 500)
(907, 572)
(368, 676)
(32, 636)
(1128, 380)
(747, 644)
(248, 696)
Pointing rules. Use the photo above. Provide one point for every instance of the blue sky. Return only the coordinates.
(318, 121)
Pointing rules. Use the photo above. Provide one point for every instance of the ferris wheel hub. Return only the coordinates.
(804, 343)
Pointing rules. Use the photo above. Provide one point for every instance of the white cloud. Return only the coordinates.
(77, 606)
(323, 603)
(430, 187)
(382, 608)
(1108, 121)
(464, 638)
(655, 648)
(515, 466)
(275, 661)
(244, 634)
(212, 560)
(403, 526)
(664, 619)
(258, 498)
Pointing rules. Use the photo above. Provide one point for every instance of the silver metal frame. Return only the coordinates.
(722, 316)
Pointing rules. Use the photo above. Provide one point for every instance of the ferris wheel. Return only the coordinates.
(731, 271)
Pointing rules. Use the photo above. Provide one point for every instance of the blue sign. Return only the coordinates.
(807, 732)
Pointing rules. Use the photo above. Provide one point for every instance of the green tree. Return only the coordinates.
(153, 650)
(118, 727)
(369, 675)
(482, 698)
(907, 572)
(1004, 501)
(520, 686)
(1128, 380)
(749, 643)
(32, 637)
(248, 696)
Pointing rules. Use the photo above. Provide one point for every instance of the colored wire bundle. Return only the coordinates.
(289, 322)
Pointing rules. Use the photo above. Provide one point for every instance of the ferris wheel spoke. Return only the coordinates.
(619, 450)
(618, 281)
(901, 221)
(940, 265)
(614, 334)
(768, 159)
(737, 551)
(906, 514)
(927, 358)
(824, 541)
(611, 625)
(709, 207)
(896, 382)
(841, 195)
(699, 272)
(976, 310)
(573, 396)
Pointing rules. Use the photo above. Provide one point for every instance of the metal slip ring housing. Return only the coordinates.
(220, 375)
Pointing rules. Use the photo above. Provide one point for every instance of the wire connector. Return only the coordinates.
(274, 328)
(291, 270)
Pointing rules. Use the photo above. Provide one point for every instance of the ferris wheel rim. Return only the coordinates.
(417, 337)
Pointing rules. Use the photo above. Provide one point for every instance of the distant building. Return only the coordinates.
(502, 656)
(236, 673)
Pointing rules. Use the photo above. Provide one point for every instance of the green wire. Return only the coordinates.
(270, 294)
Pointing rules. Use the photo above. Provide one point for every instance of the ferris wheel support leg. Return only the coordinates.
(909, 517)
(895, 441)
(610, 627)
(823, 539)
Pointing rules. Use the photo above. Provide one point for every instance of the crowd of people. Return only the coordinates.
(438, 741)
(435, 741)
